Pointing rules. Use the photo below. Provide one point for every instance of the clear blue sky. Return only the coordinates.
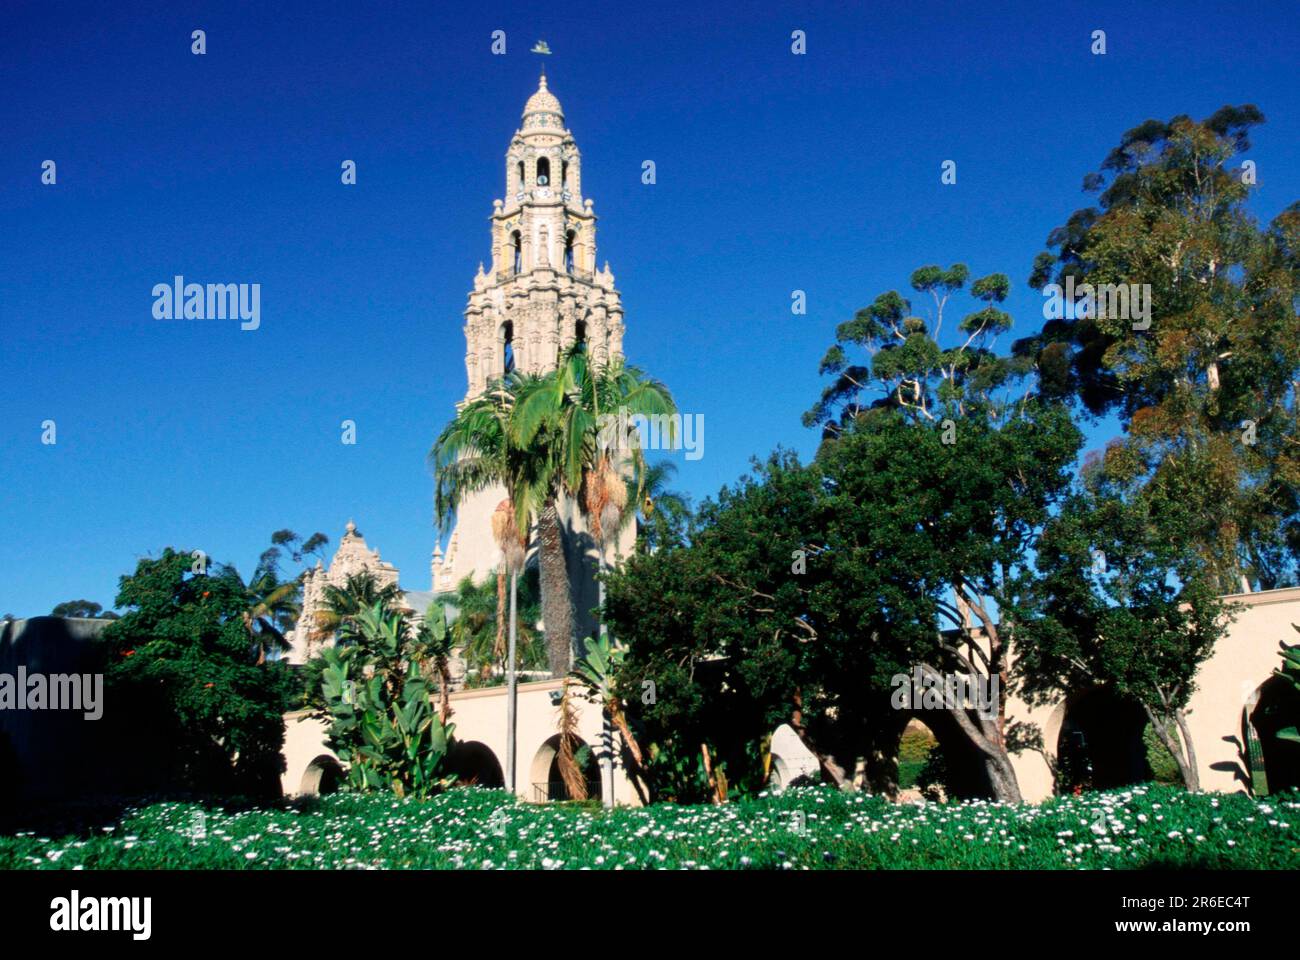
(775, 172)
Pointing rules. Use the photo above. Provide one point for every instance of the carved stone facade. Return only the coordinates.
(543, 291)
(352, 557)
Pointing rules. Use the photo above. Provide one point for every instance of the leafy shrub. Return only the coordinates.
(378, 701)
(1164, 768)
(916, 750)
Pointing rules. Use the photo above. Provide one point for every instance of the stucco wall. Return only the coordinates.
(61, 754)
(1242, 660)
(480, 717)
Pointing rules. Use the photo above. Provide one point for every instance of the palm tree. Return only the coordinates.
(565, 418)
(544, 438)
(476, 451)
(343, 605)
(578, 419)
(271, 613)
(433, 644)
(473, 453)
(661, 513)
(513, 543)
(474, 629)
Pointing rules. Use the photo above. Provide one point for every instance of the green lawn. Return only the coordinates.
(813, 827)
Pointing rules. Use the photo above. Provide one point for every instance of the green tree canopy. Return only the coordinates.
(181, 658)
(1204, 382)
(85, 609)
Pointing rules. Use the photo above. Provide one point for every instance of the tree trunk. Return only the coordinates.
(1192, 776)
(574, 777)
(982, 731)
(499, 649)
(1186, 761)
(717, 794)
(881, 773)
(512, 685)
(444, 691)
(829, 767)
(557, 603)
(620, 720)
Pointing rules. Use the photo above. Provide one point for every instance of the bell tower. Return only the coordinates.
(543, 292)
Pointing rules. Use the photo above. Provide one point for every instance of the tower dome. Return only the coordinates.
(541, 107)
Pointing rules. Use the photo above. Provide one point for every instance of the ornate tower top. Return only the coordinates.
(543, 292)
(543, 109)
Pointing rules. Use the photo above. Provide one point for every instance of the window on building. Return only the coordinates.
(517, 243)
(543, 171)
(568, 251)
(519, 187)
(580, 335)
(508, 346)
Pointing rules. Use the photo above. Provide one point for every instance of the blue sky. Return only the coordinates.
(775, 172)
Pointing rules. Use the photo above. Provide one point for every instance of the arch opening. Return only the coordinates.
(324, 775)
(1102, 744)
(475, 765)
(933, 759)
(1273, 761)
(546, 782)
(543, 172)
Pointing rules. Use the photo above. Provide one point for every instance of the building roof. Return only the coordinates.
(418, 600)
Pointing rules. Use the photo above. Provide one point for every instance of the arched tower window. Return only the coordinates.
(580, 335)
(543, 171)
(508, 346)
(568, 251)
(519, 187)
(564, 174)
(517, 242)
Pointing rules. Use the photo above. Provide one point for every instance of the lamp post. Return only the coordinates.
(609, 518)
(607, 726)
(512, 555)
(512, 680)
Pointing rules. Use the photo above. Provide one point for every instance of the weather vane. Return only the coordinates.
(541, 47)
